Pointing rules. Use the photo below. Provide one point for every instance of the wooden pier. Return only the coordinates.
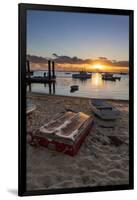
(40, 80)
(50, 85)
(49, 78)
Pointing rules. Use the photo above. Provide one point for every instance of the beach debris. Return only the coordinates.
(69, 110)
(114, 140)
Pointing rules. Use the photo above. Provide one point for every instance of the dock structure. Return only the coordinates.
(49, 69)
(53, 69)
(28, 71)
(50, 78)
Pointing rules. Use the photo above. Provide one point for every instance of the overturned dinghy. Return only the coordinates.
(65, 133)
(30, 107)
(104, 110)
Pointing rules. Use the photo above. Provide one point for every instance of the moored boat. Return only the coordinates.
(117, 78)
(123, 73)
(82, 75)
(108, 77)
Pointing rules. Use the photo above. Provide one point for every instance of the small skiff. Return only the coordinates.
(73, 88)
(104, 110)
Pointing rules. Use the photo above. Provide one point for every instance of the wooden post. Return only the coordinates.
(50, 88)
(53, 87)
(49, 69)
(53, 69)
(28, 68)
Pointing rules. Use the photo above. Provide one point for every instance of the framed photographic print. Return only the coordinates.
(75, 99)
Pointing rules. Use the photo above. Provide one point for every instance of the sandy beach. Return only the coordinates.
(103, 158)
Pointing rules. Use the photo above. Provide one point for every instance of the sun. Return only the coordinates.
(98, 66)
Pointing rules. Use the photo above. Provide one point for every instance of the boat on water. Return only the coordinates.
(104, 110)
(73, 88)
(123, 73)
(82, 75)
(117, 78)
(65, 132)
(110, 77)
(67, 72)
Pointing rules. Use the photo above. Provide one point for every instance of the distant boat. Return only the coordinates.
(117, 78)
(67, 72)
(123, 73)
(110, 77)
(74, 88)
(82, 75)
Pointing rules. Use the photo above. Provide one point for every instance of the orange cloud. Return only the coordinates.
(64, 62)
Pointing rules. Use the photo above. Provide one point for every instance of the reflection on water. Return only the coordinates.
(94, 87)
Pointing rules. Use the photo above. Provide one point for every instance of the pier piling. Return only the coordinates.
(53, 69)
(28, 68)
(49, 69)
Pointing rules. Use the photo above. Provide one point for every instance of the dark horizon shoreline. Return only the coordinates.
(80, 71)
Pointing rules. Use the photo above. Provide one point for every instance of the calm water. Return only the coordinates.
(92, 88)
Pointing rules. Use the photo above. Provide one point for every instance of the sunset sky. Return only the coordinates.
(77, 40)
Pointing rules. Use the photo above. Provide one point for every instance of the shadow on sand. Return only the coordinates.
(13, 191)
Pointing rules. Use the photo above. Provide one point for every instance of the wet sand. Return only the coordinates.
(103, 158)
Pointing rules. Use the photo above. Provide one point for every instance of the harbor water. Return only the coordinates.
(93, 87)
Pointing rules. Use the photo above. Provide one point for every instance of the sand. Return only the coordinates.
(103, 158)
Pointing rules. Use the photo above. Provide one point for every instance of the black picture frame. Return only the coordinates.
(22, 96)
